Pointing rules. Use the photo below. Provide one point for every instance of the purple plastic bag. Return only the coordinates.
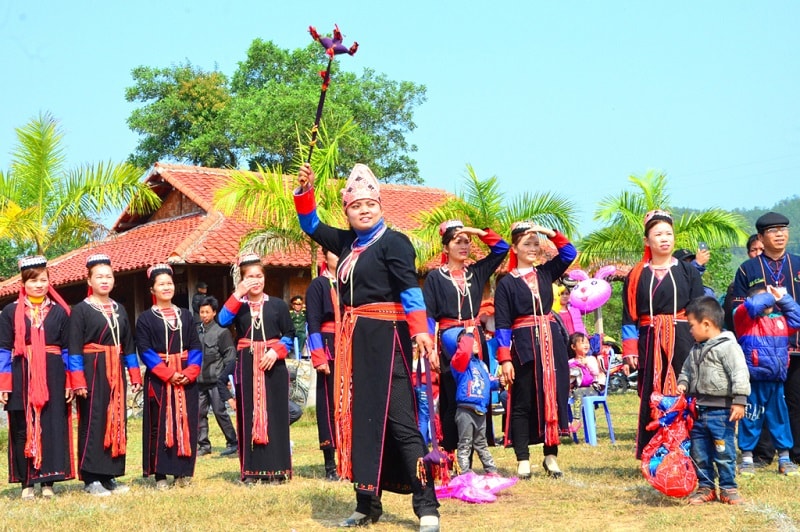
(473, 488)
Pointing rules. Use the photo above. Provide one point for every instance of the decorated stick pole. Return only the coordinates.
(333, 46)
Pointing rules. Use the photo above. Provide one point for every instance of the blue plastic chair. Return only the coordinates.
(590, 404)
(573, 433)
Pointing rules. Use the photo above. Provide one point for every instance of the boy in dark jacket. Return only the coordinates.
(473, 391)
(715, 374)
(763, 333)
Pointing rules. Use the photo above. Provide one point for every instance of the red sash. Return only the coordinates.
(260, 431)
(36, 380)
(343, 376)
(115, 436)
(178, 419)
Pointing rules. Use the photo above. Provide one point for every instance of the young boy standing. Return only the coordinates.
(715, 374)
(763, 331)
(473, 389)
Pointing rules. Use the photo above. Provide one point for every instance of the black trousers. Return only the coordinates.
(401, 426)
(524, 412)
(211, 397)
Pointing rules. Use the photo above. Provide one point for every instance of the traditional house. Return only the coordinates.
(200, 243)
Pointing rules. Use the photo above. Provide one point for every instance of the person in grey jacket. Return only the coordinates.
(715, 374)
(218, 352)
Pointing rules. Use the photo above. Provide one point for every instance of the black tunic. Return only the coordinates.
(272, 460)
(88, 325)
(443, 300)
(152, 338)
(382, 355)
(56, 416)
(687, 285)
(319, 310)
(513, 299)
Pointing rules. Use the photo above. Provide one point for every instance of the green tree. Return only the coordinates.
(186, 118)
(48, 208)
(266, 198)
(620, 238)
(199, 117)
(481, 204)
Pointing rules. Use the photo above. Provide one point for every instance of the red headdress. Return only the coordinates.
(362, 184)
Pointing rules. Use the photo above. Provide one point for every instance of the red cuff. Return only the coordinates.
(304, 202)
(503, 354)
(630, 347)
(191, 372)
(559, 239)
(417, 322)
(77, 380)
(163, 372)
(279, 348)
(318, 357)
(233, 304)
(5, 382)
(491, 237)
(135, 375)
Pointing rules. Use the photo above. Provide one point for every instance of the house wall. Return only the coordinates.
(176, 204)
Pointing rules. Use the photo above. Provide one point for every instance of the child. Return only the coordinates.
(473, 390)
(763, 333)
(584, 373)
(715, 374)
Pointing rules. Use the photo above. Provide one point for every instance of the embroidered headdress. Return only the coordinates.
(361, 184)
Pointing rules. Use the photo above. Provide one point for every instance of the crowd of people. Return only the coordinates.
(369, 325)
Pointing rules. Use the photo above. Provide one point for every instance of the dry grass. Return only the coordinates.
(602, 490)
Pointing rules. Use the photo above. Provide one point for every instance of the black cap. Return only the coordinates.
(202, 284)
(771, 219)
(683, 254)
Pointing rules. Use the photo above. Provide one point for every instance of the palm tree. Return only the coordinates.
(620, 239)
(266, 198)
(481, 204)
(45, 207)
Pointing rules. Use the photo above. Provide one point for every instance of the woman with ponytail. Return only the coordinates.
(101, 348)
(453, 294)
(655, 333)
(168, 344)
(35, 384)
(532, 349)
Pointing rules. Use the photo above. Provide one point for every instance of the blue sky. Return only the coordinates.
(569, 97)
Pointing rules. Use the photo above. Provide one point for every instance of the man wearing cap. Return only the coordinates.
(202, 292)
(699, 261)
(778, 268)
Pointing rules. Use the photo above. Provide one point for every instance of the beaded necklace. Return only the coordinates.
(171, 316)
(109, 312)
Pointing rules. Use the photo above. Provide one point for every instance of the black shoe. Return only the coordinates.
(204, 451)
(229, 450)
(332, 475)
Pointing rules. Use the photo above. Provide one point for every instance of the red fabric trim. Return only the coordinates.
(503, 354)
(191, 372)
(135, 375)
(491, 237)
(630, 347)
(5, 382)
(417, 322)
(559, 240)
(318, 357)
(305, 203)
(77, 380)
(279, 348)
(163, 372)
(233, 304)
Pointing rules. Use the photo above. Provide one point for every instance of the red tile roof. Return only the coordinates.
(205, 238)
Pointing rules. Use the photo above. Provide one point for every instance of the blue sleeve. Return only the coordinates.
(309, 222)
(288, 341)
(195, 357)
(131, 361)
(431, 326)
(630, 332)
(314, 341)
(151, 358)
(412, 300)
(503, 337)
(225, 317)
(758, 303)
(790, 310)
(567, 252)
(72, 362)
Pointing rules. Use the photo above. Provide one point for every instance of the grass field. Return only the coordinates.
(602, 490)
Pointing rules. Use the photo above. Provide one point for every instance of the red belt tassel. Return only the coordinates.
(177, 418)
